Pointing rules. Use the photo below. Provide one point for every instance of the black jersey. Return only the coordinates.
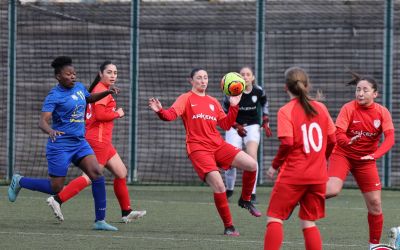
(248, 106)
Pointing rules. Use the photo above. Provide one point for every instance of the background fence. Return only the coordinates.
(321, 36)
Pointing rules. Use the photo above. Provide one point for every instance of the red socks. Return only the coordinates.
(248, 180)
(312, 238)
(375, 223)
(122, 194)
(73, 188)
(273, 236)
(221, 202)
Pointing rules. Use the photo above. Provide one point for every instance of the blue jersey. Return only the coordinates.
(68, 111)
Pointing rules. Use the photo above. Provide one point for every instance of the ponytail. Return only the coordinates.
(356, 78)
(297, 82)
(94, 83)
(97, 79)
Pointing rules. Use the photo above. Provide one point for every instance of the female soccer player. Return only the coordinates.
(307, 135)
(246, 129)
(206, 148)
(65, 105)
(360, 124)
(99, 125)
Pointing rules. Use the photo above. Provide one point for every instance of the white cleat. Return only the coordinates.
(394, 237)
(133, 215)
(55, 207)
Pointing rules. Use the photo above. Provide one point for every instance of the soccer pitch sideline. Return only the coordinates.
(178, 217)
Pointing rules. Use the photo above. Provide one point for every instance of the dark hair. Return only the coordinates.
(252, 72)
(297, 82)
(96, 80)
(60, 62)
(195, 70)
(356, 78)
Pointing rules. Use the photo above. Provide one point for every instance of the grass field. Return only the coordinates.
(177, 218)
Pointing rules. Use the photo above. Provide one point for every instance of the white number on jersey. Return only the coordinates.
(308, 139)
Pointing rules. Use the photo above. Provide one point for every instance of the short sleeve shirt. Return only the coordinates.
(68, 111)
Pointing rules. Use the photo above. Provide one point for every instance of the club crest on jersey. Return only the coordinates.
(254, 98)
(212, 107)
(377, 123)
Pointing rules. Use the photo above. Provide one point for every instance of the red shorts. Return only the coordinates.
(285, 197)
(103, 151)
(364, 172)
(205, 162)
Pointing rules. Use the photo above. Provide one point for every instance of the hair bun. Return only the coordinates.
(61, 61)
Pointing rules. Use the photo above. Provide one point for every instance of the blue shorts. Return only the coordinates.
(59, 156)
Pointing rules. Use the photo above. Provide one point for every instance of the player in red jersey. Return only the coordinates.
(360, 125)
(206, 148)
(100, 118)
(307, 135)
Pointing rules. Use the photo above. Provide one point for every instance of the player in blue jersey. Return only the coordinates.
(246, 129)
(65, 105)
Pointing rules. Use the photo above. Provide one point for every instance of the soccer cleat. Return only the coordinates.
(394, 237)
(231, 231)
(133, 215)
(253, 199)
(55, 207)
(249, 206)
(14, 187)
(229, 193)
(103, 225)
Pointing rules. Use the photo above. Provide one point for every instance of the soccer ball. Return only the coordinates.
(233, 84)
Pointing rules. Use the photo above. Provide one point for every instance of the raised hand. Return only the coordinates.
(155, 104)
(234, 100)
(113, 89)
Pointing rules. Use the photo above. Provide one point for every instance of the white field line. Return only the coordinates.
(158, 238)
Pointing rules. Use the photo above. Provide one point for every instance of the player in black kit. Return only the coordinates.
(246, 130)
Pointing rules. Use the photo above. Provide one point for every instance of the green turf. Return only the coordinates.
(177, 218)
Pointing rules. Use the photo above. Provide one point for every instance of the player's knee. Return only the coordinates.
(56, 188)
(375, 206)
(95, 173)
(332, 191)
(252, 165)
(122, 173)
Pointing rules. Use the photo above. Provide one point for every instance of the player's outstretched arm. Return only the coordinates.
(94, 97)
(164, 114)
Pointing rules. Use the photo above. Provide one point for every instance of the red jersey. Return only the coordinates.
(369, 122)
(306, 162)
(100, 117)
(200, 116)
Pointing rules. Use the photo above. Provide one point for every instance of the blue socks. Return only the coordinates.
(100, 200)
(41, 185)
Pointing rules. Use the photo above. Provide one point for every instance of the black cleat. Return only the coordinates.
(253, 199)
(229, 193)
(231, 231)
(249, 206)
